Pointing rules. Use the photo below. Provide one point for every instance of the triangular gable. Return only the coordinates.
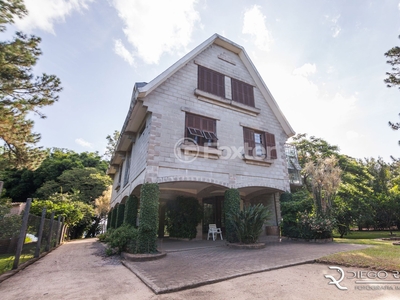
(240, 51)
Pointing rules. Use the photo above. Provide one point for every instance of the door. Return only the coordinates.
(213, 209)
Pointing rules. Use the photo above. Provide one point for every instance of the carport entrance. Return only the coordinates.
(213, 208)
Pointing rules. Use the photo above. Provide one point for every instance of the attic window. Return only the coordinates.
(242, 92)
(211, 81)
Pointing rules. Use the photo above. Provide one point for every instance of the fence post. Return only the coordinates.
(58, 229)
(22, 233)
(60, 238)
(40, 233)
(48, 246)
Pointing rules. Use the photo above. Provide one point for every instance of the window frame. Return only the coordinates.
(211, 81)
(201, 129)
(242, 92)
(267, 140)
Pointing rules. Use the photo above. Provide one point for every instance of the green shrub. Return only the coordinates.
(131, 210)
(109, 219)
(183, 216)
(120, 215)
(113, 217)
(248, 222)
(103, 236)
(122, 236)
(231, 207)
(315, 226)
(291, 206)
(148, 222)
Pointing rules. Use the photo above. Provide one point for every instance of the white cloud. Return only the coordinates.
(156, 27)
(254, 24)
(120, 49)
(335, 28)
(308, 106)
(398, 6)
(305, 70)
(42, 14)
(83, 143)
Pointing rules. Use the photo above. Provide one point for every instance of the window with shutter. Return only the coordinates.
(242, 92)
(271, 147)
(201, 129)
(211, 81)
(259, 144)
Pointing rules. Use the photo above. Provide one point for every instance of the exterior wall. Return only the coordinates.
(137, 167)
(168, 104)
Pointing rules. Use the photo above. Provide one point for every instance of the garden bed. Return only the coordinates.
(246, 246)
(143, 257)
(320, 241)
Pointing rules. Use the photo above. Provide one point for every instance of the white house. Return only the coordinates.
(206, 124)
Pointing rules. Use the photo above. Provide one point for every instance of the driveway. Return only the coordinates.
(79, 270)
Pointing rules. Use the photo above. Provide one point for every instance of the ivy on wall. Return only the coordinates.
(148, 225)
(183, 215)
(131, 209)
(120, 215)
(231, 207)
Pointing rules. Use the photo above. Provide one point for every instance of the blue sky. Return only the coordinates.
(322, 60)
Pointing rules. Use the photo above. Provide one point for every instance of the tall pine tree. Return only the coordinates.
(21, 93)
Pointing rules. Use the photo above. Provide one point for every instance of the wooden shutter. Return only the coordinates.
(249, 144)
(242, 92)
(211, 81)
(271, 146)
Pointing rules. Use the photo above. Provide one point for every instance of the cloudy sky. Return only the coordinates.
(322, 60)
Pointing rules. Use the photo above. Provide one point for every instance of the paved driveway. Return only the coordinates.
(79, 270)
(201, 266)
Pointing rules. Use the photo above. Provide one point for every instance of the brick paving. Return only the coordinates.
(192, 264)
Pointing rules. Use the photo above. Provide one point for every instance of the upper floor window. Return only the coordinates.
(242, 92)
(201, 129)
(211, 81)
(259, 144)
(127, 169)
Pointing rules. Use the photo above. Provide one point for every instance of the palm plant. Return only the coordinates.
(248, 222)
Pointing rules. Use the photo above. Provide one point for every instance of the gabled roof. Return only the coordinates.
(235, 48)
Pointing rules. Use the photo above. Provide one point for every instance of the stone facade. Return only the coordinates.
(152, 139)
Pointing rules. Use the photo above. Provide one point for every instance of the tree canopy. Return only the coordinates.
(21, 93)
(393, 77)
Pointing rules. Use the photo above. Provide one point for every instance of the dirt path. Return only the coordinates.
(78, 270)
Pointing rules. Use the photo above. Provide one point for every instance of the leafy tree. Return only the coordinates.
(102, 207)
(325, 180)
(112, 141)
(64, 205)
(90, 182)
(21, 93)
(10, 225)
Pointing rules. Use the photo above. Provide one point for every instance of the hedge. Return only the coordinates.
(120, 215)
(231, 207)
(148, 222)
(131, 209)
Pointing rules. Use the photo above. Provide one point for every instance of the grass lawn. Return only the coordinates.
(7, 261)
(382, 255)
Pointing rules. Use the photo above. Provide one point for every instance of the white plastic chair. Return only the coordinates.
(212, 229)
